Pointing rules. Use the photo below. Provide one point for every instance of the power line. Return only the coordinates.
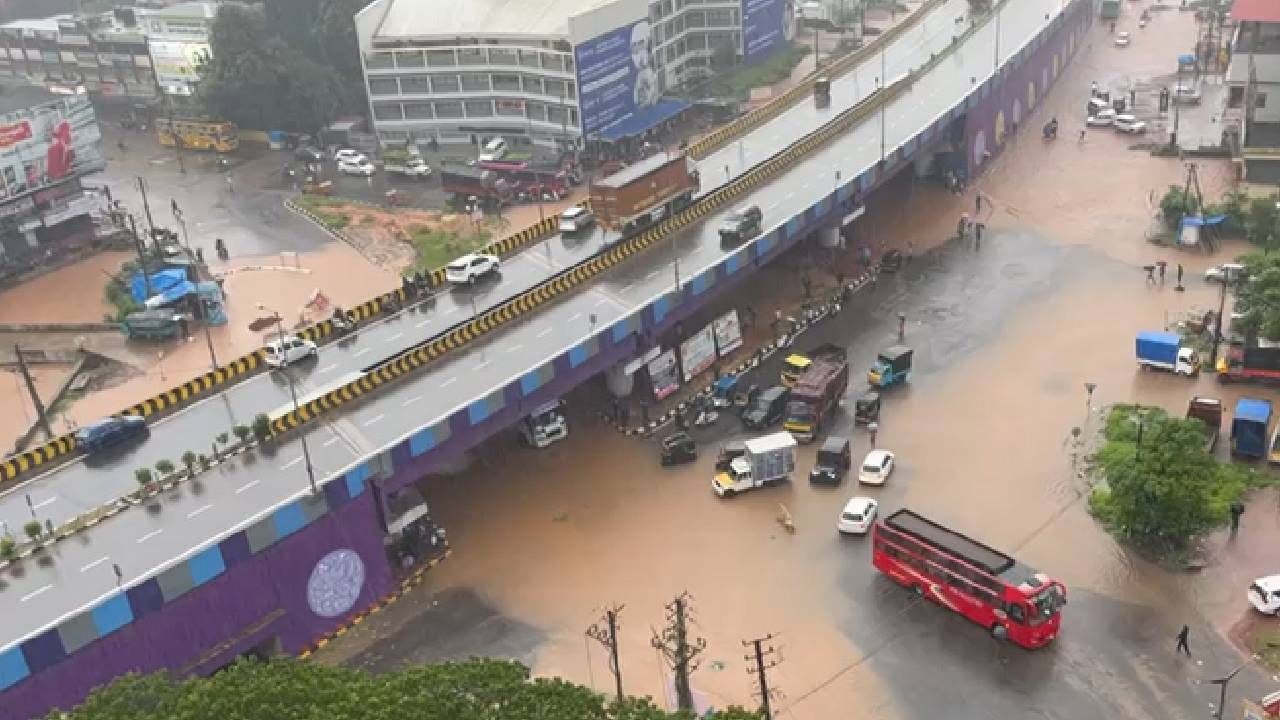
(607, 635)
(679, 650)
(762, 659)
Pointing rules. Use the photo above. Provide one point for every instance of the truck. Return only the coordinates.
(1249, 428)
(797, 364)
(1208, 411)
(545, 425)
(1242, 364)
(1110, 9)
(644, 192)
(766, 460)
(815, 397)
(462, 183)
(1164, 351)
(892, 366)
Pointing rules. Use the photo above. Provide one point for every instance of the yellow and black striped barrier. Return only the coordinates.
(580, 274)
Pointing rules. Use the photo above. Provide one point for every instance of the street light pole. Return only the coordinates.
(293, 395)
(1225, 680)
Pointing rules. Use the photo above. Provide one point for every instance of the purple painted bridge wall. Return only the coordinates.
(269, 580)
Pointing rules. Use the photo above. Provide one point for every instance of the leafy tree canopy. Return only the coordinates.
(472, 690)
(1258, 300)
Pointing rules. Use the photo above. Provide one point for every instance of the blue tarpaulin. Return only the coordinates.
(643, 119)
(161, 283)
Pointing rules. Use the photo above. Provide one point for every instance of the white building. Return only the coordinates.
(178, 39)
(461, 71)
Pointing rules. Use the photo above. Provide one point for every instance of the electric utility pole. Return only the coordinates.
(679, 649)
(35, 396)
(607, 635)
(762, 659)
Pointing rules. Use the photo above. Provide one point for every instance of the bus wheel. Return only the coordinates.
(999, 631)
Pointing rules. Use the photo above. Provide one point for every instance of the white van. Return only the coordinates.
(494, 150)
(575, 219)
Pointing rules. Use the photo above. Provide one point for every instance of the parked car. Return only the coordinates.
(576, 218)
(678, 448)
(349, 154)
(1264, 594)
(1226, 272)
(494, 150)
(876, 467)
(766, 409)
(1104, 118)
(857, 516)
(1129, 125)
(288, 350)
(109, 432)
(361, 167)
(469, 268)
(308, 154)
(1121, 39)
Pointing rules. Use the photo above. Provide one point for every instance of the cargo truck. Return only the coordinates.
(765, 460)
(815, 396)
(1165, 351)
(461, 183)
(644, 192)
(797, 364)
(1249, 428)
(1208, 411)
(1239, 363)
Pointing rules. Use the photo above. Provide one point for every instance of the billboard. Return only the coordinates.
(767, 25)
(728, 333)
(616, 75)
(46, 144)
(664, 376)
(177, 63)
(698, 352)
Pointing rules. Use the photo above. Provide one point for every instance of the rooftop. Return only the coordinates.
(1266, 69)
(1267, 11)
(187, 9)
(405, 19)
(21, 97)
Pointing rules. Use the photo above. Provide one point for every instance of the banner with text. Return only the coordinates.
(663, 375)
(767, 25)
(615, 75)
(698, 352)
(47, 144)
(728, 333)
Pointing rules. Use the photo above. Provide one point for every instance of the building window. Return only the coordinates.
(556, 88)
(415, 85)
(530, 58)
(510, 108)
(697, 41)
(502, 56)
(448, 109)
(719, 18)
(557, 114)
(479, 108)
(553, 62)
(506, 83)
(441, 58)
(475, 82)
(417, 111)
(536, 111)
(444, 83)
(1260, 100)
(410, 60)
(695, 19)
(383, 86)
(387, 111)
(379, 60)
(471, 56)
(531, 85)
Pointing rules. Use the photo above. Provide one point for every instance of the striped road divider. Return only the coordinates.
(578, 275)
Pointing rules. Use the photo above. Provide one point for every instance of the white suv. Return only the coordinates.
(357, 167)
(575, 219)
(349, 154)
(469, 268)
(286, 351)
(1264, 594)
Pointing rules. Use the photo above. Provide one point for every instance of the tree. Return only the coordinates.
(143, 476)
(242, 432)
(1176, 203)
(33, 529)
(1258, 301)
(164, 467)
(7, 548)
(261, 427)
(189, 462)
(243, 80)
(473, 690)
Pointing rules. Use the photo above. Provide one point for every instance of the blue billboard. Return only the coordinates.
(616, 76)
(767, 26)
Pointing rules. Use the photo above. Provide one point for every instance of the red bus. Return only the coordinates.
(1008, 598)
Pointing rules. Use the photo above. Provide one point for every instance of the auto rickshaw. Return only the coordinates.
(318, 188)
(866, 409)
(678, 448)
(893, 366)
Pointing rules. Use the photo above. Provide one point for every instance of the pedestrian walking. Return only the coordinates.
(1133, 99)
(231, 187)
(977, 232)
(902, 326)
(873, 427)
(1237, 509)
(1151, 277)
(963, 226)
(1182, 641)
(1082, 132)
(807, 284)
(1161, 265)
(977, 203)
(1093, 86)
(1113, 28)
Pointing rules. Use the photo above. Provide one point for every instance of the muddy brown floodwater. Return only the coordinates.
(1006, 336)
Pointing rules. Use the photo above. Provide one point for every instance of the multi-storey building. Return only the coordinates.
(1253, 85)
(104, 54)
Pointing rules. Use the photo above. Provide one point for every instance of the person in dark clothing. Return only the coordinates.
(1161, 265)
(1179, 287)
(1182, 641)
(1237, 509)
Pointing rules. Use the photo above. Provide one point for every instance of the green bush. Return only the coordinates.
(7, 548)
(242, 432)
(189, 461)
(33, 529)
(261, 427)
(164, 467)
(144, 476)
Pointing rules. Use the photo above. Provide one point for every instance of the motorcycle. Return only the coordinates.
(1051, 130)
(221, 248)
(342, 324)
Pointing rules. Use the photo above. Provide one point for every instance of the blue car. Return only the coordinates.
(110, 431)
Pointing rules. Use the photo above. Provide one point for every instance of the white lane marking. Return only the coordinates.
(95, 563)
(600, 302)
(423, 323)
(330, 441)
(575, 316)
(789, 196)
(651, 275)
(246, 486)
(411, 401)
(148, 536)
(625, 288)
(373, 420)
(395, 337)
(448, 382)
(546, 332)
(771, 207)
(30, 595)
(199, 510)
(481, 366)
(291, 463)
(450, 311)
(42, 503)
(360, 352)
(514, 348)
(327, 368)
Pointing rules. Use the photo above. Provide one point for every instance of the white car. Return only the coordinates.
(1104, 118)
(1264, 594)
(857, 516)
(349, 154)
(1129, 125)
(876, 467)
(469, 268)
(494, 150)
(360, 167)
(289, 350)
(1122, 39)
(1226, 272)
(575, 219)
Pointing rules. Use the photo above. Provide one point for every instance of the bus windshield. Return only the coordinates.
(799, 410)
(1046, 604)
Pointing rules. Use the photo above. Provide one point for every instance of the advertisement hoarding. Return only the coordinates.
(663, 375)
(698, 352)
(728, 333)
(615, 75)
(767, 26)
(47, 144)
(177, 63)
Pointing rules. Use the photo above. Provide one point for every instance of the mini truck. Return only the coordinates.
(767, 460)
(816, 395)
(545, 425)
(1249, 428)
(1208, 411)
(1165, 351)
(892, 366)
(644, 192)
(1243, 364)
